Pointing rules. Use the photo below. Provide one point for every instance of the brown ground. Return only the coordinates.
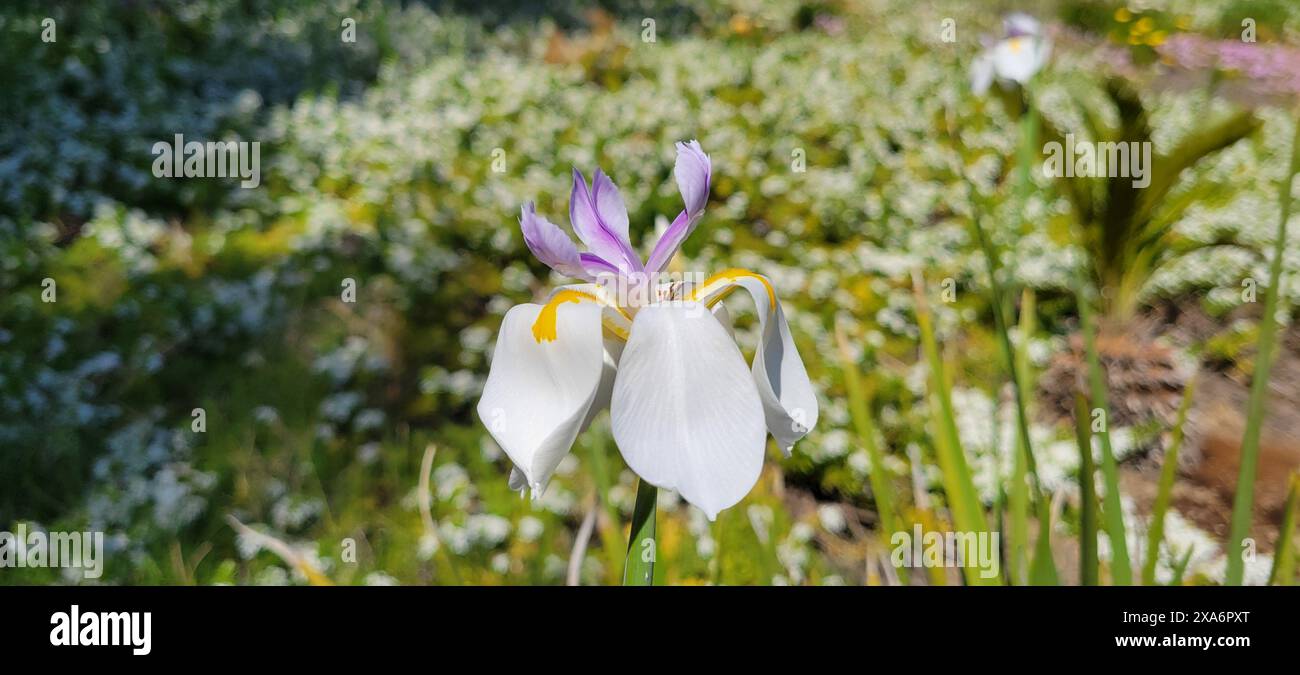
(1210, 460)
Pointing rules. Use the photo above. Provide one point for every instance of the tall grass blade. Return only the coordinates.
(1121, 569)
(860, 412)
(1156, 531)
(1180, 566)
(639, 568)
(963, 500)
(1245, 500)
(1042, 564)
(1089, 567)
(1018, 493)
(1283, 573)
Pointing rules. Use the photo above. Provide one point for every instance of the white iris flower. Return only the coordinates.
(687, 412)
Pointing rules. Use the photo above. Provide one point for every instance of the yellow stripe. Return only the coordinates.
(544, 327)
(727, 278)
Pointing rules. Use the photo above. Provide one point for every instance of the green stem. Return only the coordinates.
(1164, 493)
(1244, 502)
(1283, 573)
(860, 412)
(1018, 494)
(963, 500)
(1088, 565)
(1121, 569)
(639, 568)
(1045, 569)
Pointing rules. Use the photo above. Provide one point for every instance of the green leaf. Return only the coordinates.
(1043, 565)
(860, 412)
(1283, 573)
(963, 500)
(1121, 570)
(1018, 493)
(639, 568)
(1245, 498)
(1089, 567)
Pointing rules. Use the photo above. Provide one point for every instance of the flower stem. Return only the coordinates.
(639, 568)
(1243, 504)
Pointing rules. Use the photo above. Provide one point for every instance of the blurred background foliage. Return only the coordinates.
(377, 165)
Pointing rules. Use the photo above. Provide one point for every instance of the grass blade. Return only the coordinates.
(1018, 494)
(1156, 531)
(1089, 567)
(860, 412)
(963, 500)
(1044, 569)
(1121, 569)
(1283, 573)
(639, 568)
(1180, 567)
(1245, 500)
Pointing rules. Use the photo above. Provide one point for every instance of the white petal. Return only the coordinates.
(685, 412)
(724, 318)
(538, 394)
(1017, 59)
(981, 73)
(789, 402)
(609, 368)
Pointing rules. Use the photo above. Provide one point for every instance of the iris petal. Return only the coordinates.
(539, 393)
(686, 414)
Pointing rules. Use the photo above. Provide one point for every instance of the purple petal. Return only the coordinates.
(670, 241)
(590, 225)
(1019, 24)
(692, 170)
(610, 209)
(550, 244)
(596, 265)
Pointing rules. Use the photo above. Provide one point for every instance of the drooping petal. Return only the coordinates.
(789, 402)
(686, 414)
(518, 481)
(539, 391)
(550, 244)
(724, 317)
(601, 238)
(693, 170)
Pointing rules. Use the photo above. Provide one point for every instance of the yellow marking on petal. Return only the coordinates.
(729, 278)
(544, 327)
(618, 331)
(1016, 44)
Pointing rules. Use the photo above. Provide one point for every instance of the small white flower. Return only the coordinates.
(1012, 60)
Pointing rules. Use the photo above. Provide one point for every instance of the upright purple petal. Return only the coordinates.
(692, 170)
(588, 217)
(550, 244)
(670, 241)
(610, 208)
